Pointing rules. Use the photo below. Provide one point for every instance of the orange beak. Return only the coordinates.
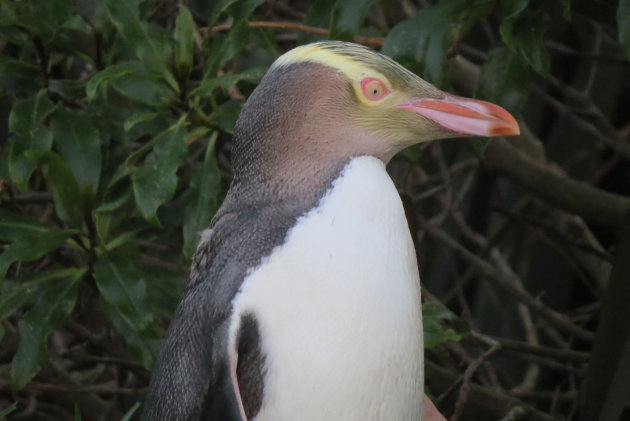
(465, 116)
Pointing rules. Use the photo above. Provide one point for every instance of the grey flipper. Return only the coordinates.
(191, 379)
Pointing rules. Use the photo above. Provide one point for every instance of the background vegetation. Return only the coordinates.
(115, 124)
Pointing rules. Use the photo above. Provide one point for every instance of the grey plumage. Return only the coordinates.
(191, 375)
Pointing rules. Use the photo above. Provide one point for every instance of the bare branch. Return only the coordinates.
(294, 26)
(507, 283)
(483, 403)
(604, 208)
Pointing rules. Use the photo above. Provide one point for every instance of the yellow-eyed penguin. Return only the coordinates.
(303, 302)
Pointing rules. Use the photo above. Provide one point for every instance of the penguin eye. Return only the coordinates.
(373, 88)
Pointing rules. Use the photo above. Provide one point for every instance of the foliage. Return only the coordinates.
(434, 333)
(8, 410)
(115, 128)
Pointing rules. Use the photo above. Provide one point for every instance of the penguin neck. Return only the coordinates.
(301, 164)
(288, 178)
(292, 164)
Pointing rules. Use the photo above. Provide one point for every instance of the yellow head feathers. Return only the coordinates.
(356, 62)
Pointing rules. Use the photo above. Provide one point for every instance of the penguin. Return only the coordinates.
(303, 301)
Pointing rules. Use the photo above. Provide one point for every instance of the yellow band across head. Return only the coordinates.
(347, 64)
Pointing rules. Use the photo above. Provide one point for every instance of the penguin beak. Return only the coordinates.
(465, 116)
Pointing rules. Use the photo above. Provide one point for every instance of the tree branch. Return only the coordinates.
(294, 26)
(503, 280)
(483, 403)
(540, 350)
(596, 205)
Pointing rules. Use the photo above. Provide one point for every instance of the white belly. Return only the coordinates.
(338, 309)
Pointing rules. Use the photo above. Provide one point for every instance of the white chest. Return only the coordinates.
(338, 309)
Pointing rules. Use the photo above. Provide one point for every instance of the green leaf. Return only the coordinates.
(428, 35)
(9, 12)
(128, 167)
(347, 17)
(57, 10)
(319, 16)
(125, 17)
(25, 122)
(31, 247)
(242, 10)
(63, 186)
(607, 387)
(512, 8)
(79, 145)
(13, 226)
(226, 114)
(139, 117)
(164, 288)
(150, 48)
(16, 76)
(68, 89)
(523, 32)
(226, 48)
(140, 89)
(132, 410)
(110, 215)
(411, 154)
(133, 80)
(54, 305)
(115, 204)
(20, 167)
(623, 24)
(73, 40)
(504, 80)
(155, 181)
(26, 289)
(566, 9)
(6, 411)
(207, 86)
(30, 112)
(185, 36)
(77, 23)
(110, 73)
(204, 187)
(108, 119)
(125, 238)
(40, 18)
(433, 315)
(219, 7)
(125, 298)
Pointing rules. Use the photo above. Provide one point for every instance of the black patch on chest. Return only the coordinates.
(250, 370)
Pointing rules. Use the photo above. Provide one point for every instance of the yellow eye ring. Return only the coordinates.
(374, 89)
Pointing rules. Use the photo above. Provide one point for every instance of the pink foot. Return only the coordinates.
(430, 412)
